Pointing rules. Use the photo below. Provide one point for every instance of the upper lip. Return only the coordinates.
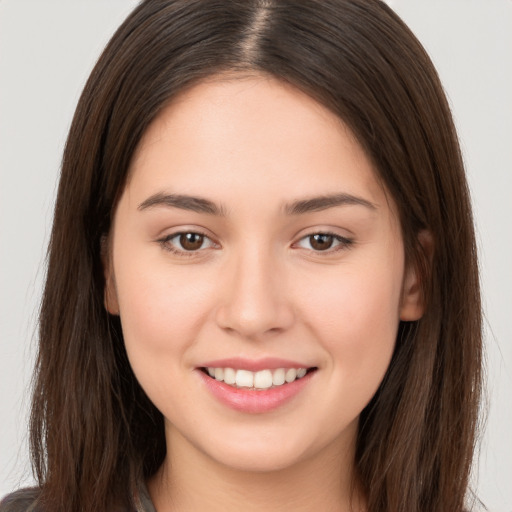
(254, 365)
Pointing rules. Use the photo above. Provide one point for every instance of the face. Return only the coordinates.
(257, 266)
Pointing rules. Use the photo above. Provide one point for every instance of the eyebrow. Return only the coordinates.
(316, 204)
(184, 202)
(202, 205)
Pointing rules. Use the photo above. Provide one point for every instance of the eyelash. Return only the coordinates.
(343, 243)
(167, 245)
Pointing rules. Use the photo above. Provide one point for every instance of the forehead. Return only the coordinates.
(252, 130)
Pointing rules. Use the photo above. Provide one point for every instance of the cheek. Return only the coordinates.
(160, 310)
(161, 318)
(355, 315)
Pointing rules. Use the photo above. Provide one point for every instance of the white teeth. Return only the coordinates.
(278, 377)
(301, 372)
(229, 376)
(291, 375)
(264, 379)
(244, 379)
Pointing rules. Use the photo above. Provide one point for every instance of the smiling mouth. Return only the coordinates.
(260, 380)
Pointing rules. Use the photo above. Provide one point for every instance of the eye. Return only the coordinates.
(186, 242)
(324, 242)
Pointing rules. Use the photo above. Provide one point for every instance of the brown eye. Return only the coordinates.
(321, 241)
(191, 241)
(187, 243)
(327, 243)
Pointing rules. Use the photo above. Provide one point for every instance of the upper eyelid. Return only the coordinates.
(170, 233)
(325, 229)
(170, 236)
(305, 233)
(343, 240)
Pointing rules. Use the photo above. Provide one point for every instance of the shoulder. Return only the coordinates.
(24, 500)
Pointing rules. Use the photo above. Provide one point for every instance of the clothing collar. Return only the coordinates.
(142, 499)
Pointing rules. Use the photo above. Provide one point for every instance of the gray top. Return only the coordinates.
(25, 500)
(143, 501)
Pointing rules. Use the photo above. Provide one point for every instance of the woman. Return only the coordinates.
(262, 287)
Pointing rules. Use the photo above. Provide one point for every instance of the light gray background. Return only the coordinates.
(47, 49)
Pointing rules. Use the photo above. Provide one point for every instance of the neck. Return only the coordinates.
(189, 480)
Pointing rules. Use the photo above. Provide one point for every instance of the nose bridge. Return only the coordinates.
(254, 300)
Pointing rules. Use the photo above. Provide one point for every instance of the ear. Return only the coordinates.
(110, 292)
(412, 305)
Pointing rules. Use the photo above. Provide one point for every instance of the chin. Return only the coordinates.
(259, 460)
(266, 450)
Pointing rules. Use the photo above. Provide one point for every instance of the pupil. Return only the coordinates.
(191, 241)
(321, 242)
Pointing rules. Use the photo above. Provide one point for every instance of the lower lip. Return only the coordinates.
(253, 401)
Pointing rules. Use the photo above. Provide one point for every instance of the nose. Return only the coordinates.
(253, 298)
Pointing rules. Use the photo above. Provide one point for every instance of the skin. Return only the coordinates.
(257, 288)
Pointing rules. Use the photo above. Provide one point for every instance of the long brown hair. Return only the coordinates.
(93, 430)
